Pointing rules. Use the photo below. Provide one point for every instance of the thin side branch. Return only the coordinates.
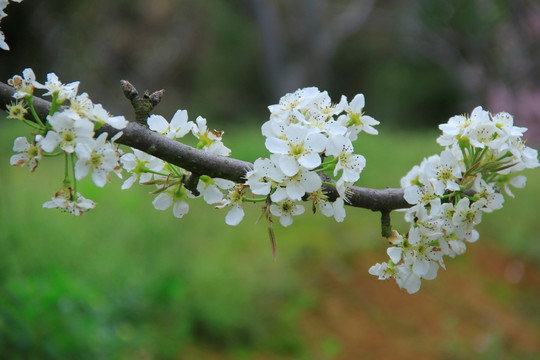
(204, 163)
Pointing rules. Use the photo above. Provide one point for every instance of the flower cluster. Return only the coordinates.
(450, 192)
(308, 134)
(3, 4)
(175, 185)
(67, 130)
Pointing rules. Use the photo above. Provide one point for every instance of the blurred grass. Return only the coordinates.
(127, 281)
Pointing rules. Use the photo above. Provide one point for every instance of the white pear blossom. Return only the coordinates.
(300, 148)
(482, 133)
(24, 85)
(351, 164)
(422, 254)
(420, 194)
(523, 157)
(175, 196)
(66, 200)
(81, 104)
(54, 86)
(265, 173)
(98, 156)
(506, 131)
(459, 126)
(285, 211)
(69, 129)
(466, 216)
(291, 105)
(209, 188)
(29, 153)
(99, 115)
(141, 165)
(407, 279)
(494, 200)
(323, 110)
(381, 270)
(355, 119)
(209, 140)
(295, 187)
(335, 209)
(442, 171)
(412, 178)
(178, 127)
(234, 200)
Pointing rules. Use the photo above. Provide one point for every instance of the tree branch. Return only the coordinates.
(204, 163)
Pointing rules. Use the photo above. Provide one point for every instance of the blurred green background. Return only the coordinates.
(129, 282)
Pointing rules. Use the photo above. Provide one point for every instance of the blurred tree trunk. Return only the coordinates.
(299, 39)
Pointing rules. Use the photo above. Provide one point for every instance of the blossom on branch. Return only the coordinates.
(29, 153)
(67, 200)
(449, 192)
(178, 127)
(69, 129)
(306, 135)
(98, 156)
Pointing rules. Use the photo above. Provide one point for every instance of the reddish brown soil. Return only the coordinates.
(486, 303)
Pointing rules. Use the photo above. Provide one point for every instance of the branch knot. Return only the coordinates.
(141, 105)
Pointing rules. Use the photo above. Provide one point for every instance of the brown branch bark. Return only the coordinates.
(203, 163)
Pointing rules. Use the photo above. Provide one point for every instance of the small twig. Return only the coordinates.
(386, 227)
(141, 105)
(191, 182)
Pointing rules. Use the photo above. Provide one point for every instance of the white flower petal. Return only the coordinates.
(298, 210)
(129, 182)
(326, 208)
(432, 271)
(310, 160)
(212, 194)
(310, 181)
(180, 208)
(411, 283)
(224, 184)
(394, 253)
(276, 146)
(81, 169)
(234, 216)
(158, 124)
(357, 104)
(117, 122)
(295, 191)
(50, 142)
(285, 220)
(288, 165)
(18, 160)
(279, 195)
(21, 144)
(316, 142)
(420, 267)
(99, 177)
(163, 201)
(339, 210)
